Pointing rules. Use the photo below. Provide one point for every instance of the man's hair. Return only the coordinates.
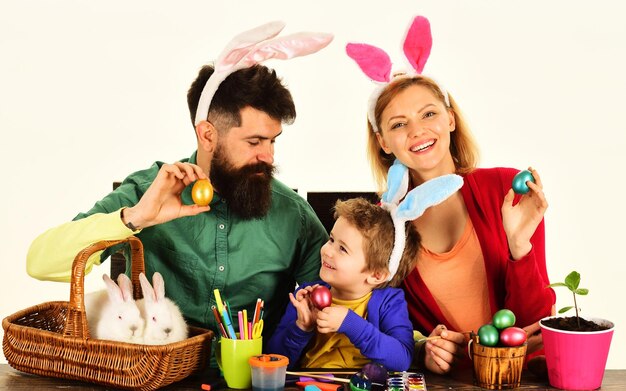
(257, 87)
(376, 226)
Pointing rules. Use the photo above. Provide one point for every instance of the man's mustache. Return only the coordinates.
(259, 168)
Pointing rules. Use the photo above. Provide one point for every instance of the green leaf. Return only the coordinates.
(581, 291)
(556, 284)
(572, 280)
(565, 309)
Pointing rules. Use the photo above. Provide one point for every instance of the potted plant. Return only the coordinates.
(576, 348)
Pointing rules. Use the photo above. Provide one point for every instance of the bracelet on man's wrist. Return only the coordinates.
(129, 224)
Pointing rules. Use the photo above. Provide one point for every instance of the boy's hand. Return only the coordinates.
(330, 319)
(307, 313)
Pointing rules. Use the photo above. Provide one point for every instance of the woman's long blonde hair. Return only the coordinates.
(462, 145)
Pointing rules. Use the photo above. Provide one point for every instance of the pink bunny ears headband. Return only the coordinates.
(376, 64)
(253, 47)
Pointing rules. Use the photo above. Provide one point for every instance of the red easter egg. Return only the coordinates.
(321, 297)
(512, 336)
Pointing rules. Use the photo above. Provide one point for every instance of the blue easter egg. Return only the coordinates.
(519, 182)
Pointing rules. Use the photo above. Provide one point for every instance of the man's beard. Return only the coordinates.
(248, 190)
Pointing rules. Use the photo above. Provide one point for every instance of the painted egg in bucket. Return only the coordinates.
(512, 336)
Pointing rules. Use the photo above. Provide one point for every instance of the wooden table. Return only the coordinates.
(10, 379)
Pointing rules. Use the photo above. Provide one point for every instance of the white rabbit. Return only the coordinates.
(112, 314)
(164, 321)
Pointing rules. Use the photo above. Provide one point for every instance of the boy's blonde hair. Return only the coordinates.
(462, 145)
(376, 226)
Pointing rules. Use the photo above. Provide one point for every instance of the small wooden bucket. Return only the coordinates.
(497, 368)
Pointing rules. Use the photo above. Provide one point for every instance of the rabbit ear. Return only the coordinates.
(429, 193)
(284, 48)
(159, 286)
(418, 43)
(373, 61)
(252, 47)
(241, 44)
(397, 183)
(114, 291)
(126, 286)
(146, 288)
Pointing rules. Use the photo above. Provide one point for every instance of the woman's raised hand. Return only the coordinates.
(161, 202)
(521, 221)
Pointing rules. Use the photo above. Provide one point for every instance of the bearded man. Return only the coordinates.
(256, 239)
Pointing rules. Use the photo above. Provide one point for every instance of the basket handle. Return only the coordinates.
(76, 321)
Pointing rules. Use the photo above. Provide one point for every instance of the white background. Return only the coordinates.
(91, 91)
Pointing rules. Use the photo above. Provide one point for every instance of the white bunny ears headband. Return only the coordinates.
(406, 208)
(253, 47)
(376, 64)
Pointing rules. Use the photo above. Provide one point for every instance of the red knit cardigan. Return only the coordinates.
(517, 285)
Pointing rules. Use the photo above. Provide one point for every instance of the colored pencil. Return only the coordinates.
(229, 310)
(223, 331)
(218, 321)
(228, 325)
(245, 324)
(241, 324)
(256, 310)
(218, 300)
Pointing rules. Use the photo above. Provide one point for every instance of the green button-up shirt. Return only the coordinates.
(245, 259)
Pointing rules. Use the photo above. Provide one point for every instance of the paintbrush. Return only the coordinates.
(434, 337)
(331, 378)
(314, 376)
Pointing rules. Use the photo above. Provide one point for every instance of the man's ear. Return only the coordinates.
(207, 136)
(377, 277)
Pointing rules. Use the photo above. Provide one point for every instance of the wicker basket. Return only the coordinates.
(52, 339)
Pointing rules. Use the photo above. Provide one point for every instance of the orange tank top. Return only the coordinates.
(458, 281)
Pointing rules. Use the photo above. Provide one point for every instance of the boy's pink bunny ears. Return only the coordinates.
(376, 64)
(253, 47)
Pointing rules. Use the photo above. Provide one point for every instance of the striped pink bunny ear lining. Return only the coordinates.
(253, 47)
(376, 64)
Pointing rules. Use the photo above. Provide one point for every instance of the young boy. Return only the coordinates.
(368, 320)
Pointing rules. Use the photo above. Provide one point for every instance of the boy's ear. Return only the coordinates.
(207, 136)
(377, 277)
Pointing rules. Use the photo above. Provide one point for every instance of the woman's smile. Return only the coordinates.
(423, 146)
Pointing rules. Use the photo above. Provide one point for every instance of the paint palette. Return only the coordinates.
(406, 381)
